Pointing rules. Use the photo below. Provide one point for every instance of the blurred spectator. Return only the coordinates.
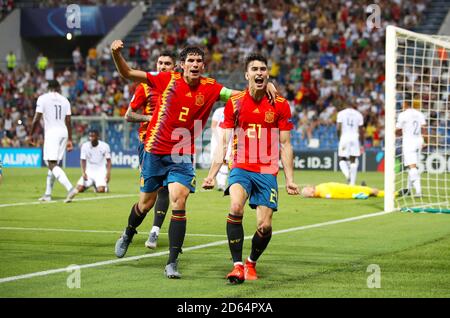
(11, 61)
(321, 55)
(41, 62)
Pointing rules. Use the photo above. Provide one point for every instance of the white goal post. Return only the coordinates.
(418, 73)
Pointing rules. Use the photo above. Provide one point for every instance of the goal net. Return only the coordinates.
(417, 73)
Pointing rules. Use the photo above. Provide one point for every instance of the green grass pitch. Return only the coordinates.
(316, 257)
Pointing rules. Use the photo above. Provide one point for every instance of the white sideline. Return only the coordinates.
(42, 229)
(133, 258)
(62, 200)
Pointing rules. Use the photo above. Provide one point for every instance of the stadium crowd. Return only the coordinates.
(322, 55)
(6, 6)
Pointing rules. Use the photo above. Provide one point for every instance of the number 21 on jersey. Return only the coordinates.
(251, 131)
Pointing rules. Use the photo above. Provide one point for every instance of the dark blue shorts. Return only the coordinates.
(141, 152)
(262, 189)
(160, 170)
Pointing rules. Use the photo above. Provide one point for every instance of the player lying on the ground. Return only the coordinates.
(335, 190)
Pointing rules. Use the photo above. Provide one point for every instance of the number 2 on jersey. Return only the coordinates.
(416, 128)
(183, 114)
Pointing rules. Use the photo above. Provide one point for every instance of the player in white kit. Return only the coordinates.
(95, 160)
(55, 109)
(411, 126)
(351, 142)
(217, 118)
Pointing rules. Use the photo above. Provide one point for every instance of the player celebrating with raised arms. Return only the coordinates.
(145, 100)
(186, 102)
(259, 129)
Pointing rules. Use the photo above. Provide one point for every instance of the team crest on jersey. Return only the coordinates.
(269, 117)
(199, 100)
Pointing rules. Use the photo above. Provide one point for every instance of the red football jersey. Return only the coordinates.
(257, 127)
(181, 114)
(146, 99)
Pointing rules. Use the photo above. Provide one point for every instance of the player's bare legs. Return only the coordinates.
(101, 189)
(260, 240)
(80, 188)
(235, 232)
(178, 195)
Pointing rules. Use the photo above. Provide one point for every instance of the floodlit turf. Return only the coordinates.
(329, 260)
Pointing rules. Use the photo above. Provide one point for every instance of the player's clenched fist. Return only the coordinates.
(208, 183)
(292, 188)
(116, 46)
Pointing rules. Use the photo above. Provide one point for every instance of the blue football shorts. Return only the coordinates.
(160, 170)
(262, 189)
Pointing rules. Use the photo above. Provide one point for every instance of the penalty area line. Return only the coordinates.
(192, 248)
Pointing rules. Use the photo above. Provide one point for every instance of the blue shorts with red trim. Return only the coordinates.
(261, 188)
(160, 170)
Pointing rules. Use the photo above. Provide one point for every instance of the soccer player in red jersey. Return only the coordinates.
(144, 101)
(186, 102)
(259, 127)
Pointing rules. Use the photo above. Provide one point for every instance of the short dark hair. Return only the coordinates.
(93, 131)
(191, 50)
(170, 54)
(53, 85)
(255, 57)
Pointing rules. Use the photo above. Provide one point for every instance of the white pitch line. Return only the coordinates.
(82, 199)
(197, 247)
(39, 229)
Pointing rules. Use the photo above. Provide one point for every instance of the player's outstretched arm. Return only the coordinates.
(122, 67)
(287, 159)
(218, 157)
